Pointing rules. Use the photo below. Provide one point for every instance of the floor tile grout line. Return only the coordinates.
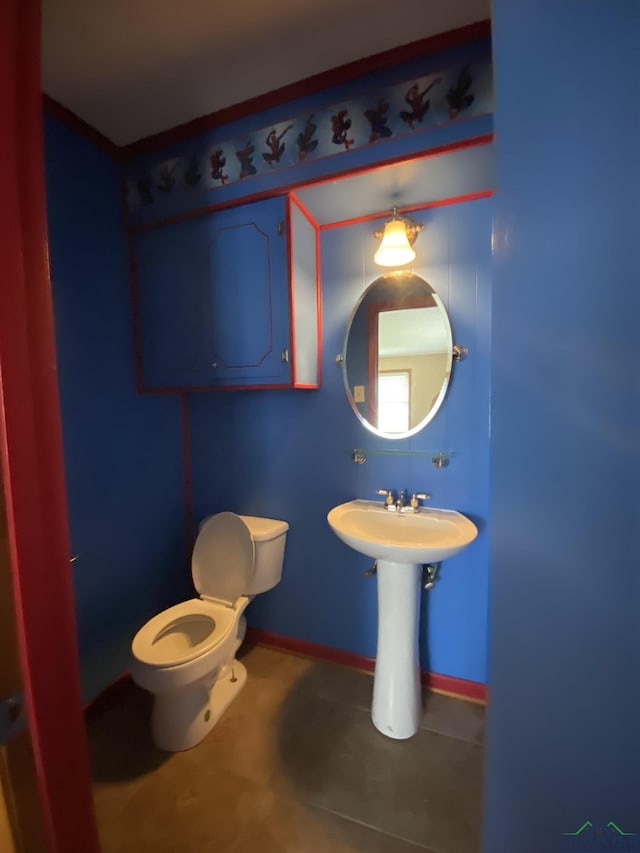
(350, 819)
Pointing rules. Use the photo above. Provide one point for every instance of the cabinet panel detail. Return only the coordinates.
(213, 297)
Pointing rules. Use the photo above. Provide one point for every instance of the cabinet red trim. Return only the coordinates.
(293, 199)
(319, 304)
(304, 210)
(291, 294)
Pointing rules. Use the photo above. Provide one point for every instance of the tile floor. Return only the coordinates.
(294, 766)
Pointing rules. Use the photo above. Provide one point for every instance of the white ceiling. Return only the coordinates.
(132, 68)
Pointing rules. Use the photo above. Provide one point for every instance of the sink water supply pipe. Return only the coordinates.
(429, 573)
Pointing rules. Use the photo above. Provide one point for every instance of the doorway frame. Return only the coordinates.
(31, 451)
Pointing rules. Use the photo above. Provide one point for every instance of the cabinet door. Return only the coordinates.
(213, 303)
(249, 293)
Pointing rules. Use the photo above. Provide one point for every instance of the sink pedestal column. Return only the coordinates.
(397, 695)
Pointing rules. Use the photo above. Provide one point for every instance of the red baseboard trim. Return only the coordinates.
(472, 691)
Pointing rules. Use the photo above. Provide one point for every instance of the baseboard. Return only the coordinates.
(109, 694)
(460, 688)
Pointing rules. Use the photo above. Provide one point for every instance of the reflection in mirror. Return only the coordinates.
(398, 355)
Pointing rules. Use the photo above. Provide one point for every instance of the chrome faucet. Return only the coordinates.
(414, 503)
(399, 504)
(389, 501)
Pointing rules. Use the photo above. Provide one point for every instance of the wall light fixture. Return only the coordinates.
(398, 237)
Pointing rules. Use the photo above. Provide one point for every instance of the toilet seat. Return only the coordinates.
(183, 632)
(223, 560)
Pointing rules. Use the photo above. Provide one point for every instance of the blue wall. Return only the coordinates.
(287, 455)
(276, 453)
(123, 452)
(565, 641)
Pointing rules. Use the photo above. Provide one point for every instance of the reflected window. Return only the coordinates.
(394, 400)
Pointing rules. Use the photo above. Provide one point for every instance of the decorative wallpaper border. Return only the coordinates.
(387, 113)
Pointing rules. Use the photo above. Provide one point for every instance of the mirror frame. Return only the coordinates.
(375, 309)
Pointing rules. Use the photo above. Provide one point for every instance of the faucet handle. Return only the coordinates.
(388, 496)
(416, 497)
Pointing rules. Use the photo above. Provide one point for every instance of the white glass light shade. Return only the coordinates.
(394, 249)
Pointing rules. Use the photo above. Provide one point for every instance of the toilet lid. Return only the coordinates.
(223, 560)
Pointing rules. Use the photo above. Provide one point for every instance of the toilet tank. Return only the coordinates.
(269, 536)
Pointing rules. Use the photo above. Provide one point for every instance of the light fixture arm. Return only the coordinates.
(411, 227)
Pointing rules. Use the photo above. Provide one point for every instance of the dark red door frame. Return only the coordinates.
(31, 449)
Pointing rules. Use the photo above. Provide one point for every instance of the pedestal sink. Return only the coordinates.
(400, 543)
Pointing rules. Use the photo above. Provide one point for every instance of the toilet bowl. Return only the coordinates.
(186, 655)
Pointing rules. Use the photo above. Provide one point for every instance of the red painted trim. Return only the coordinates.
(425, 154)
(311, 650)
(311, 85)
(178, 389)
(292, 298)
(471, 142)
(370, 217)
(31, 450)
(319, 306)
(73, 122)
(304, 210)
(474, 690)
(314, 224)
(432, 680)
(187, 473)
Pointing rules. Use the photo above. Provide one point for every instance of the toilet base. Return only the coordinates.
(183, 718)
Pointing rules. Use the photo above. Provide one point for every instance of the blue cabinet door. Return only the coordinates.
(213, 299)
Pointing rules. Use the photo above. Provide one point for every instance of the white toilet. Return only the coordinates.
(185, 655)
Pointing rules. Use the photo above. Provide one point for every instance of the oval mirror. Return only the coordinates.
(398, 353)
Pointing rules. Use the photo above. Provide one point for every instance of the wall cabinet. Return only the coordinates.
(228, 299)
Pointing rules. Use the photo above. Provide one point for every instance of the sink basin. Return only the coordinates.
(427, 536)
